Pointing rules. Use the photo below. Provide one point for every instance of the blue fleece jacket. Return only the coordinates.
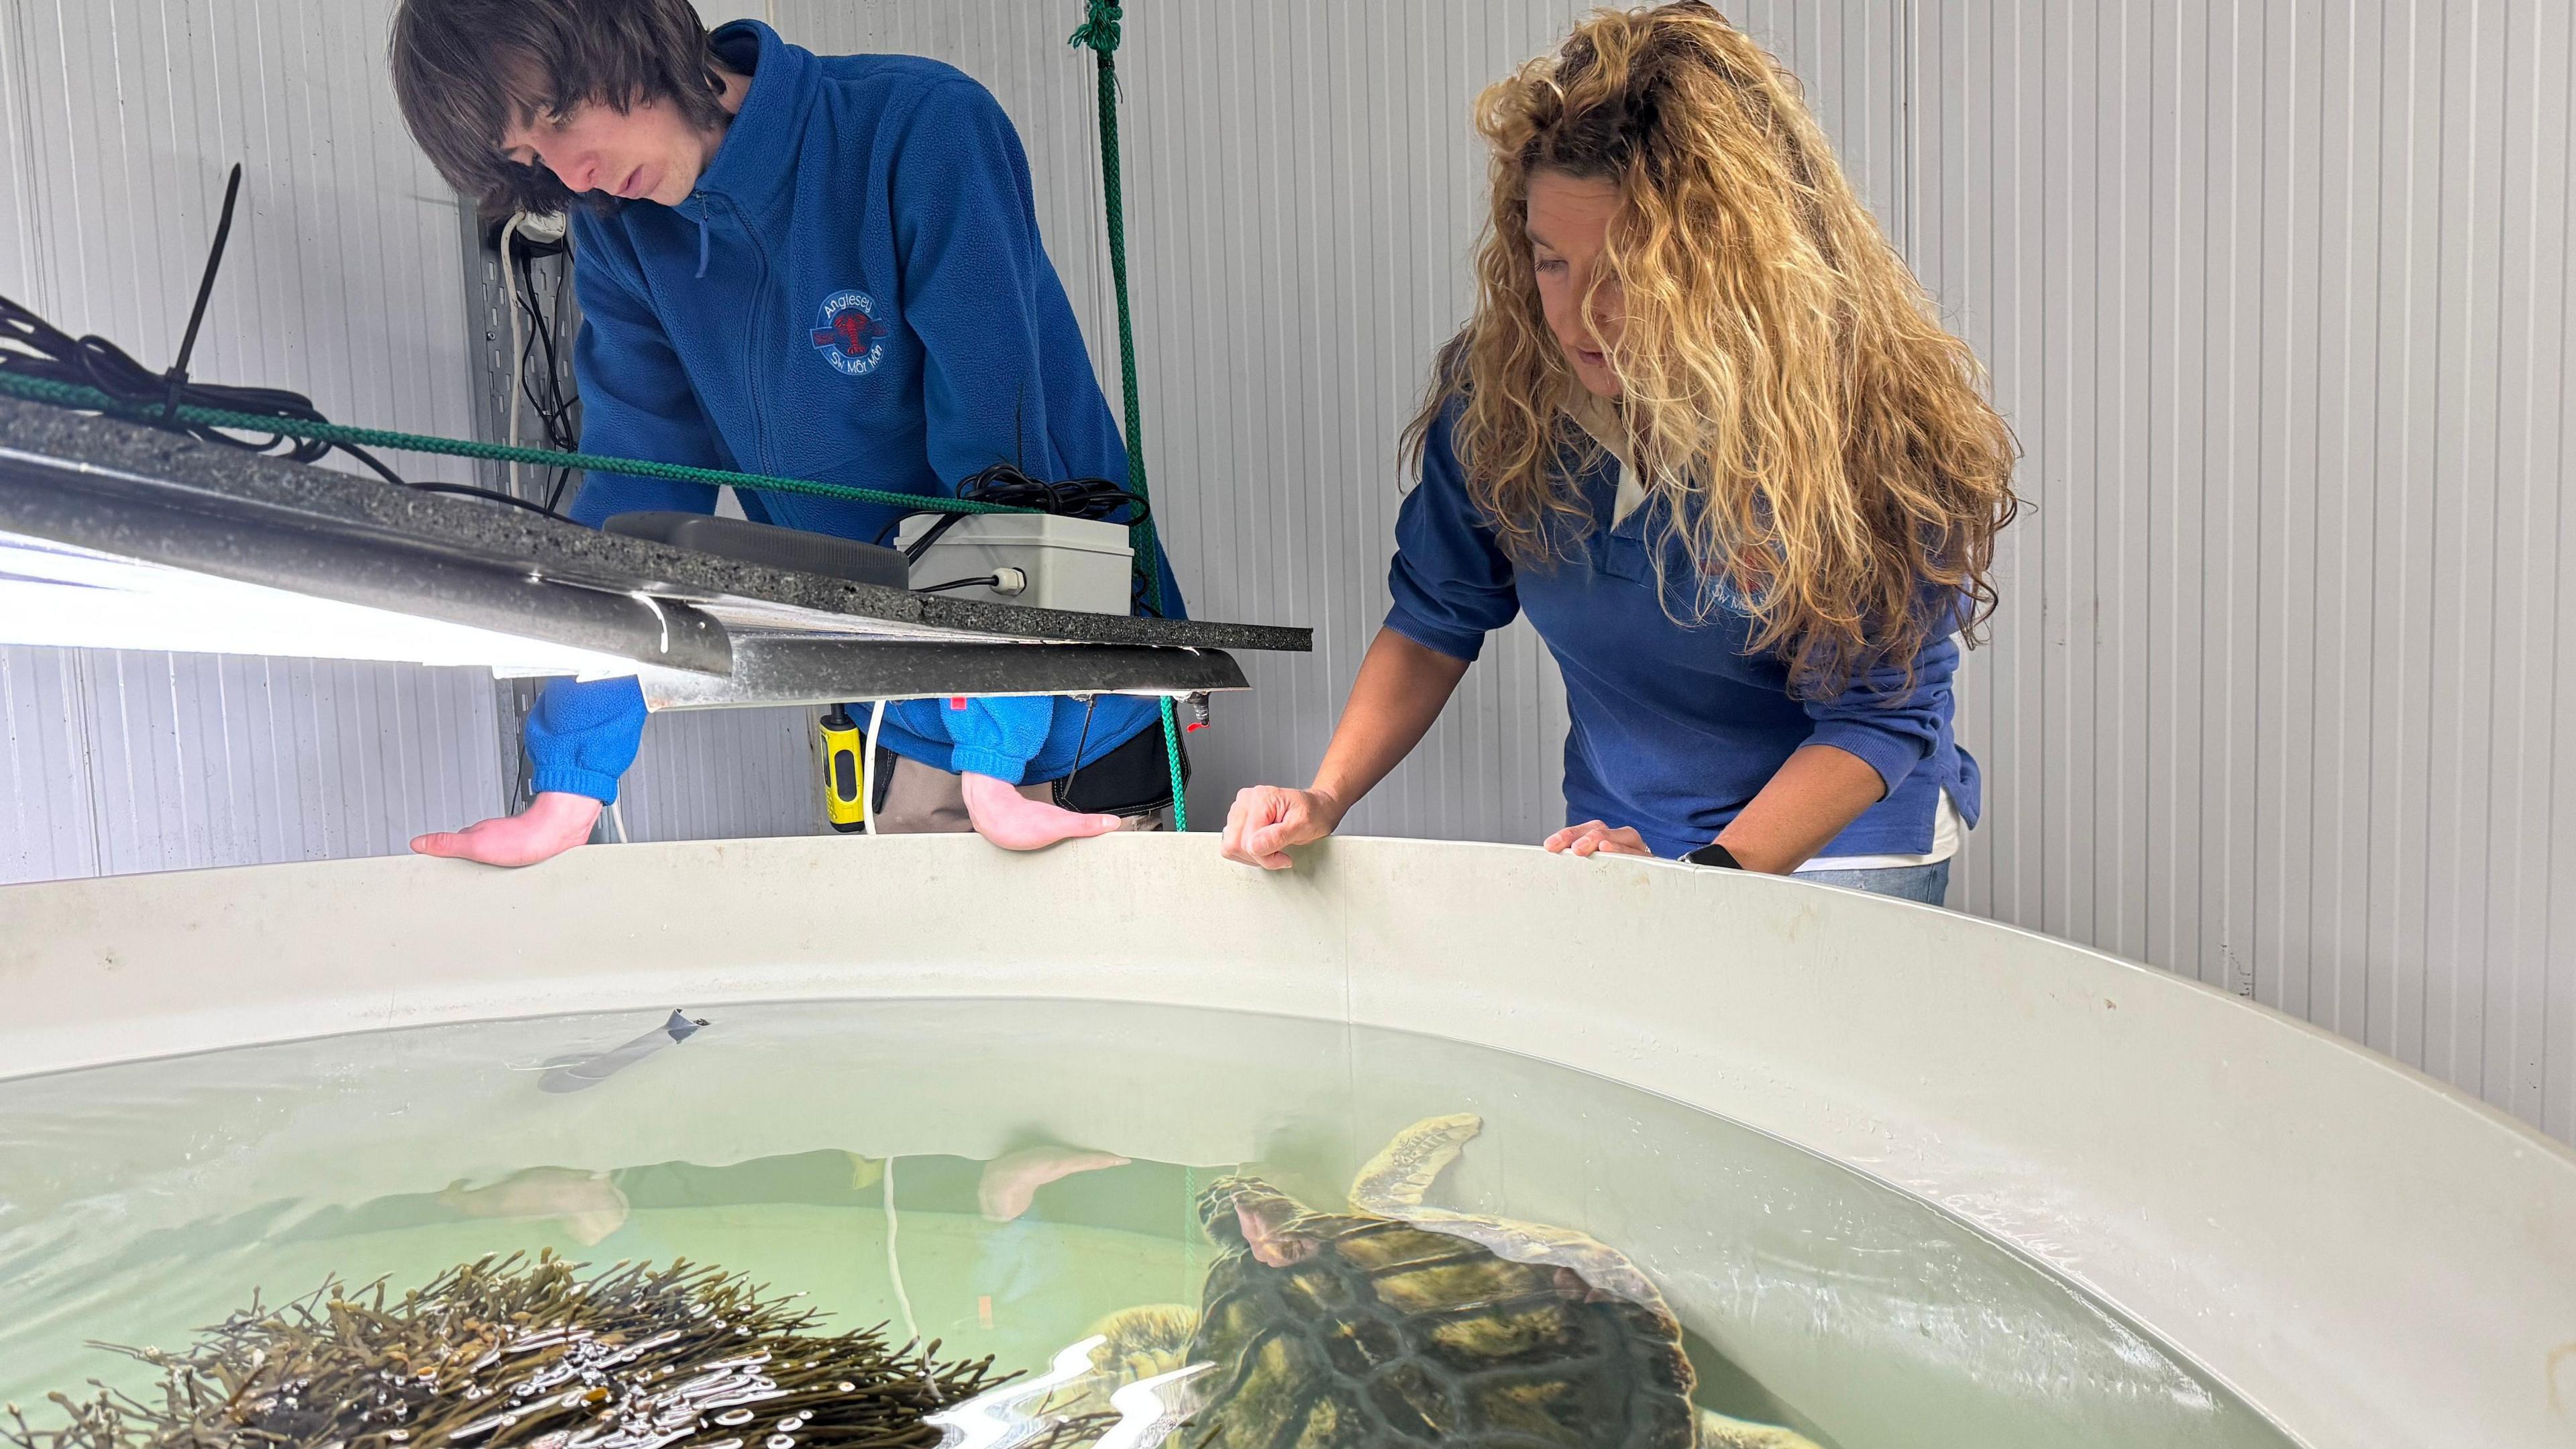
(855, 293)
(1675, 726)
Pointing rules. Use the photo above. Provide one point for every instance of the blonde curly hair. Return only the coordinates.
(1819, 441)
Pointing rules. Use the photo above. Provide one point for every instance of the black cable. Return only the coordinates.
(1098, 499)
(1093, 498)
(32, 347)
(988, 581)
(553, 408)
(545, 339)
(470, 491)
(375, 465)
(929, 536)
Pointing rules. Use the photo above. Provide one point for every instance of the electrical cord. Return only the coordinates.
(988, 581)
(536, 362)
(468, 490)
(31, 347)
(542, 375)
(867, 767)
(1099, 499)
(518, 354)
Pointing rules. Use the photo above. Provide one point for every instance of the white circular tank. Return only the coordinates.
(2365, 1256)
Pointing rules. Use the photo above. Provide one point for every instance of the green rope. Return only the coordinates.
(1101, 33)
(1172, 758)
(1101, 30)
(65, 394)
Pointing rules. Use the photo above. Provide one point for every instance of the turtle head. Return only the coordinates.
(1220, 1200)
(1245, 1212)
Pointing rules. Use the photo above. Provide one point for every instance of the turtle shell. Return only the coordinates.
(1382, 1334)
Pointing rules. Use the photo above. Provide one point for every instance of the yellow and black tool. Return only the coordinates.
(845, 772)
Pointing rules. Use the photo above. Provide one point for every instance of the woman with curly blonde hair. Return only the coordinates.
(1705, 428)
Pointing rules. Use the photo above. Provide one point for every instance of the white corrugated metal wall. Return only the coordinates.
(2275, 292)
(119, 117)
(2276, 295)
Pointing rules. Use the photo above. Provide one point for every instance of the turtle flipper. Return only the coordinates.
(1394, 1183)
(1127, 1347)
(1600, 1270)
(1400, 1176)
(1716, 1431)
(1145, 1341)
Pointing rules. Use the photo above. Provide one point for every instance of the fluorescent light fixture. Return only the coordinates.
(52, 593)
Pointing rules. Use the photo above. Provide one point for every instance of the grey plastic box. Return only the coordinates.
(1072, 563)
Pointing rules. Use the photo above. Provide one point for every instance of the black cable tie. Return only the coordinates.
(177, 376)
(1089, 703)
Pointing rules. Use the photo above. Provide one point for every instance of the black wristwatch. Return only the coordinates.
(1716, 855)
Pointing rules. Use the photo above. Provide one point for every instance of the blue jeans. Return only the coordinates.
(1929, 884)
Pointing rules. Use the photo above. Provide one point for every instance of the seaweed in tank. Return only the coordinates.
(516, 1353)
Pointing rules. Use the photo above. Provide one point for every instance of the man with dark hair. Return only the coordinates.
(816, 267)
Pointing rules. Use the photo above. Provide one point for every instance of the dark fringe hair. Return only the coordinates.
(466, 72)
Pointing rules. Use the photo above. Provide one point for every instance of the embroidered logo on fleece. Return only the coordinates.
(849, 333)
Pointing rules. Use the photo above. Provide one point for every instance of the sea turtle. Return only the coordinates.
(1397, 1324)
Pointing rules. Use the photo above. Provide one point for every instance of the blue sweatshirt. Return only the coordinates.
(855, 293)
(1675, 726)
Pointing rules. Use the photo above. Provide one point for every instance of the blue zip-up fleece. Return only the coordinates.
(855, 293)
(1675, 726)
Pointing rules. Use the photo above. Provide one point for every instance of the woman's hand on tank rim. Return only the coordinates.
(1595, 837)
